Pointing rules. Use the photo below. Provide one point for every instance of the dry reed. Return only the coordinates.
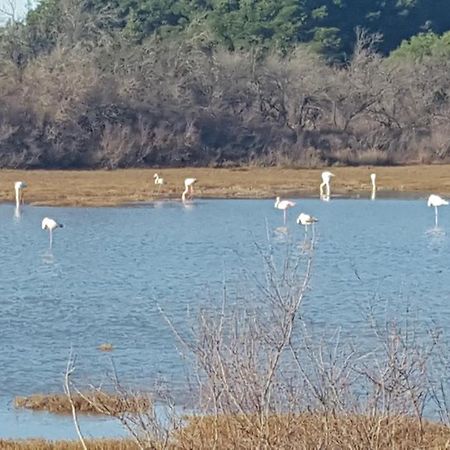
(84, 403)
(305, 431)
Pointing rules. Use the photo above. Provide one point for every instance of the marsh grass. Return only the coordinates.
(85, 403)
(41, 444)
(308, 431)
(116, 187)
(304, 431)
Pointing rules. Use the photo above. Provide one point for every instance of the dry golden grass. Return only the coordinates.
(308, 431)
(40, 444)
(109, 188)
(59, 403)
(305, 431)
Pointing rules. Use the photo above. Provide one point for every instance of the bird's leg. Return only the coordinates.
(51, 238)
(435, 216)
(284, 216)
(159, 188)
(328, 189)
(192, 191)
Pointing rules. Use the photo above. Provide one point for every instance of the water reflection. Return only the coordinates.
(281, 234)
(188, 204)
(159, 203)
(437, 237)
(17, 213)
(48, 257)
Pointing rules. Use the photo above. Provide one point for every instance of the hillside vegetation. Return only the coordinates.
(88, 83)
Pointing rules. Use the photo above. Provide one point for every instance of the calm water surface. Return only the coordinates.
(111, 267)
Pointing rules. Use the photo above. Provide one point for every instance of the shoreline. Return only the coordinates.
(97, 188)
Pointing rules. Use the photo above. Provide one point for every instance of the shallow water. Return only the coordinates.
(110, 268)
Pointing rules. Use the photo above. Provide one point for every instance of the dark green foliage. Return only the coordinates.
(240, 24)
(424, 45)
(327, 25)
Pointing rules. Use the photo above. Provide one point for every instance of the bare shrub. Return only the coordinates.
(262, 379)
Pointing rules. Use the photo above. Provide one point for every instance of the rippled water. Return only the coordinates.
(110, 267)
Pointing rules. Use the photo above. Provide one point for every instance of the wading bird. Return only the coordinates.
(373, 178)
(158, 181)
(306, 219)
(50, 225)
(326, 178)
(19, 186)
(188, 188)
(436, 201)
(284, 205)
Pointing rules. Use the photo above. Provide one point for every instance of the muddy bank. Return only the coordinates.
(112, 188)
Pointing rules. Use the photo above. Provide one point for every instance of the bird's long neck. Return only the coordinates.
(183, 195)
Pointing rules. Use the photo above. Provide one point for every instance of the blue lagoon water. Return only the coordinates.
(111, 269)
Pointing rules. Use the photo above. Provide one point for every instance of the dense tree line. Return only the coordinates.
(88, 83)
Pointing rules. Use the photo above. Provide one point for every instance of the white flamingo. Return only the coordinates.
(284, 205)
(326, 178)
(373, 178)
(306, 219)
(188, 188)
(19, 186)
(436, 201)
(50, 225)
(159, 181)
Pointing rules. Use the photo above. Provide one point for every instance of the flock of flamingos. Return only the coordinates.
(188, 194)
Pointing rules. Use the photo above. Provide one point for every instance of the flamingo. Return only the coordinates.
(188, 188)
(158, 181)
(306, 219)
(373, 178)
(50, 225)
(284, 205)
(19, 186)
(436, 201)
(326, 177)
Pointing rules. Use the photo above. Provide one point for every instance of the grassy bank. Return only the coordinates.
(87, 403)
(40, 444)
(110, 188)
(305, 431)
